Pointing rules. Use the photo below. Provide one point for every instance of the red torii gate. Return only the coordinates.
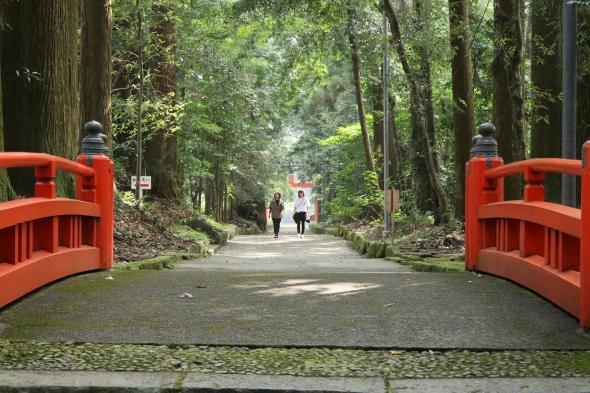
(45, 238)
(541, 245)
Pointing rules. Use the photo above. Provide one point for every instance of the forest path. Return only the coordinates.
(314, 291)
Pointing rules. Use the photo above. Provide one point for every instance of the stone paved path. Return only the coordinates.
(293, 292)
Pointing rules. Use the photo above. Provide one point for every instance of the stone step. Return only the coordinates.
(34, 381)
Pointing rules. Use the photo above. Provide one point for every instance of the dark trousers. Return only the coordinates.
(276, 223)
(300, 220)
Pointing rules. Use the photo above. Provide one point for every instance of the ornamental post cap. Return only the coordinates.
(94, 143)
(484, 144)
(486, 130)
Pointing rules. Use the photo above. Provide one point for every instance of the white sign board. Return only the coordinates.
(145, 184)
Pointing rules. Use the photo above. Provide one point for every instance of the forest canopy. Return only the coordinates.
(222, 99)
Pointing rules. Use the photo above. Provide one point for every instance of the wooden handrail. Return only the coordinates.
(40, 160)
(555, 165)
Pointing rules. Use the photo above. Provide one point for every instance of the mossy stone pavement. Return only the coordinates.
(292, 292)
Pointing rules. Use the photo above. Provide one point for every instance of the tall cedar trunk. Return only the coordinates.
(6, 191)
(462, 78)
(209, 196)
(375, 95)
(356, 70)
(508, 111)
(161, 147)
(583, 82)
(40, 84)
(422, 22)
(421, 116)
(395, 147)
(200, 195)
(420, 135)
(546, 72)
(423, 25)
(96, 64)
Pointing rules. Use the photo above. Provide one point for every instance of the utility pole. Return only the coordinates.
(568, 136)
(386, 217)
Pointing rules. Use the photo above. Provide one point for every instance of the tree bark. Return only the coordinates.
(546, 78)
(424, 156)
(583, 83)
(423, 26)
(40, 84)
(356, 70)
(6, 191)
(463, 105)
(161, 147)
(508, 111)
(96, 65)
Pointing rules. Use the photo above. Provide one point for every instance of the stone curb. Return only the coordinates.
(164, 382)
(492, 385)
(161, 262)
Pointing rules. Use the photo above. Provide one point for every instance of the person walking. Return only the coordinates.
(302, 206)
(275, 211)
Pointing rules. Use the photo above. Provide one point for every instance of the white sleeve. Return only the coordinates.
(307, 203)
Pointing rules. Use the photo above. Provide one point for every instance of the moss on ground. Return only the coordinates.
(440, 265)
(418, 261)
(15, 355)
(187, 233)
(165, 261)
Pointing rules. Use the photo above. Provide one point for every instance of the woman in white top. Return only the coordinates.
(302, 206)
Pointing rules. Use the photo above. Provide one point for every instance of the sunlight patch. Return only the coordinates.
(258, 255)
(338, 288)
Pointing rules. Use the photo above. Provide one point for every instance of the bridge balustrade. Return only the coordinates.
(45, 238)
(541, 245)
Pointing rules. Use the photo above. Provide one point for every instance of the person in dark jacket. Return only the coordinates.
(275, 211)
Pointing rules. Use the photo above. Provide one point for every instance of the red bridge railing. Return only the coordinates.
(541, 245)
(45, 238)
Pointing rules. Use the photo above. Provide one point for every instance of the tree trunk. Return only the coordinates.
(546, 79)
(508, 111)
(394, 145)
(583, 82)
(423, 26)
(96, 65)
(356, 70)
(209, 191)
(425, 165)
(40, 84)
(200, 195)
(6, 191)
(463, 105)
(161, 147)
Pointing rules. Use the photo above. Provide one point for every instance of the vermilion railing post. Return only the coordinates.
(534, 189)
(585, 241)
(479, 190)
(99, 188)
(45, 185)
(47, 229)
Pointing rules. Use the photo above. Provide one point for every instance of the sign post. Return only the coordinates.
(391, 204)
(145, 183)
